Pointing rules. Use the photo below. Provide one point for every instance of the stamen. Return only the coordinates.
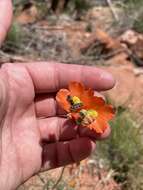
(76, 106)
(75, 102)
(78, 121)
(87, 117)
(83, 113)
(92, 113)
(69, 99)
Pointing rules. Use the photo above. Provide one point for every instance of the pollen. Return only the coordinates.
(92, 113)
(76, 100)
(87, 116)
(75, 103)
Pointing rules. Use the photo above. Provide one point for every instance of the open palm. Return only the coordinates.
(33, 135)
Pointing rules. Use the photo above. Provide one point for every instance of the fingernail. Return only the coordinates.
(110, 80)
(106, 75)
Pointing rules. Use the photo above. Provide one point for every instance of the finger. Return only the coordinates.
(46, 106)
(5, 18)
(63, 153)
(60, 129)
(57, 129)
(50, 77)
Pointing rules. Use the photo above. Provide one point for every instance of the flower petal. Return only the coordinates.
(61, 98)
(89, 92)
(76, 89)
(92, 102)
(96, 127)
(86, 97)
(97, 102)
(102, 123)
(107, 112)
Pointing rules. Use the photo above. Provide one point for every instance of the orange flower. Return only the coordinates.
(86, 109)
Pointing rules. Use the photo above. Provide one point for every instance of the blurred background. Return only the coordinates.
(103, 33)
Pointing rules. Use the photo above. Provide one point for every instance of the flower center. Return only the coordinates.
(86, 117)
(75, 102)
(92, 113)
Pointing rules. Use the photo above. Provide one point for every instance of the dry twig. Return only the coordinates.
(59, 179)
(109, 2)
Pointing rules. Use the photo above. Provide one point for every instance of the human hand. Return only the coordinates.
(33, 136)
(5, 18)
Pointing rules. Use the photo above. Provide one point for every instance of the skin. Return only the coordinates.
(33, 136)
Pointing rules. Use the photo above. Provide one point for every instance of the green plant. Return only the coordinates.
(133, 2)
(78, 6)
(138, 25)
(123, 151)
(14, 33)
(81, 5)
(133, 9)
(14, 38)
(89, 27)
